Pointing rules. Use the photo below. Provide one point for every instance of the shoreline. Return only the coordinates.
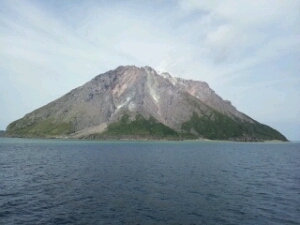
(200, 140)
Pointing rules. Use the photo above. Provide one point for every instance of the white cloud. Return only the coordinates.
(191, 5)
(237, 27)
(255, 12)
(247, 12)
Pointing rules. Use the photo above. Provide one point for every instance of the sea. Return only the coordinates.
(126, 182)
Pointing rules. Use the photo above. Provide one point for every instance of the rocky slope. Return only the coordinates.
(156, 106)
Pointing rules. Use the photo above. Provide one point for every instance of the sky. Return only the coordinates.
(247, 51)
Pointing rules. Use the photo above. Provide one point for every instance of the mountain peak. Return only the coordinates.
(149, 68)
(141, 93)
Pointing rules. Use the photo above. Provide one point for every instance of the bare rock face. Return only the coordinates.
(91, 108)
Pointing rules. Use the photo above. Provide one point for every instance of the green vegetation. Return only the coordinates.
(45, 128)
(217, 126)
(139, 128)
(213, 125)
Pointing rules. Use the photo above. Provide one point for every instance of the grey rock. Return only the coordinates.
(132, 90)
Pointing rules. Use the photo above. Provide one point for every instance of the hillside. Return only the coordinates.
(138, 103)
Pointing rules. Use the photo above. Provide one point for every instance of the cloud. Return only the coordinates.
(257, 13)
(247, 12)
(220, 41)
(192, 5)
(239, 28)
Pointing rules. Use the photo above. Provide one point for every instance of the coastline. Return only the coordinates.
(137, 139)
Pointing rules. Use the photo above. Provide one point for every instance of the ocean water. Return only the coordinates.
(90, 182)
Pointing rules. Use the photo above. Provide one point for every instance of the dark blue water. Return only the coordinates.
(78, 182)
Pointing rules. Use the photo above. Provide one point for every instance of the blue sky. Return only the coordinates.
(247, 51)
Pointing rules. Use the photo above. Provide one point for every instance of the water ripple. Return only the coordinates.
(70, 182)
